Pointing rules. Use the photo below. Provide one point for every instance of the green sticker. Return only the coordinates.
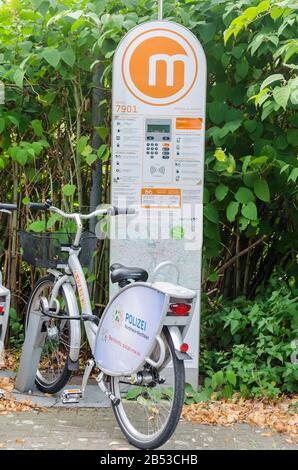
(177, 232)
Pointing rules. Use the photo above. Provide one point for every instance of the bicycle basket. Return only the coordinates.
(43, 250)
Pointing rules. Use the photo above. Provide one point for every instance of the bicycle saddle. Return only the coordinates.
(122, 274)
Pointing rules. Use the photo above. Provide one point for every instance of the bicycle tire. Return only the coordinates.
(42, 385)
(168, 430)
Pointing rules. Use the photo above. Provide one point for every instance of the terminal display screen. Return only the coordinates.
(163, 128)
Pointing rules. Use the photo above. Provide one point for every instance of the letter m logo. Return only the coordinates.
(169, 61)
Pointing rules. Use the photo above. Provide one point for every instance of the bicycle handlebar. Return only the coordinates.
(40, 206)
(8, 207)
(77, 217)
(47, 206)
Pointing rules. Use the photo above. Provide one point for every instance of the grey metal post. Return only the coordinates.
(160, 9)
(4, 294)
(31, 352)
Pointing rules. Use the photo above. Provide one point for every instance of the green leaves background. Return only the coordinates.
(251, 171)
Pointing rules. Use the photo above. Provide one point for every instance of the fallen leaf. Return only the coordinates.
(278, 415)
(20, 441)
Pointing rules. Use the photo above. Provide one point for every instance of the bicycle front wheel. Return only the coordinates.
(53, 373)
(149, 413)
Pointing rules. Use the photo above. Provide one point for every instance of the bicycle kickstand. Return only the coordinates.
(103, 388)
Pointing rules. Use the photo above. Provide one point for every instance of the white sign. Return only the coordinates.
(127, 331)
(158, 126)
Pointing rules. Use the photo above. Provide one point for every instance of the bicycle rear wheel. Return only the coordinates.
(149, 413)
(53, 373)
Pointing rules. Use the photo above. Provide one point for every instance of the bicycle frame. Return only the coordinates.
(75, 278)
(4, 317)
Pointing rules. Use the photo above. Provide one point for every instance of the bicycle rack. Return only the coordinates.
(31, 351)
(4, 316)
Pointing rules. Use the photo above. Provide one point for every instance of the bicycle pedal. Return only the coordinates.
(71, 395)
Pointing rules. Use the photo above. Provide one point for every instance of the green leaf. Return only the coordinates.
(26, 200)
(91, 278)
(232, 210)
(234, 326)
(246, 162)
(292, 137)
(231, 377)
(213, 277)
(69, 189)
(21, 156)
(232, 115)
(68, 56)
(2, 125)
(244, 195)
(134, 393)
(293, 175)
(87, 150)
(243, 223)
(52, 56)
(207, 32)
(103, 132)
(18, 77)
(238, 51)
(82, 143)
(101, 150)
(281, 95)
(38, 226)
(211, 213)
(250, 211)
(55, 114)
(233, 125)
(284, 167)
(263, 6)
(217, 111)
(259, 161)
(250, 125)
(37, 127)
(221, 191)
(271, 79)
(220, 155)
(261, 189)
(217, 379)
(242, 68)
(227, 391)
(53, 219)
(91, 158)
(250, 13)
(276, 12)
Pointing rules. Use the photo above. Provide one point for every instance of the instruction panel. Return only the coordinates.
(158, 132)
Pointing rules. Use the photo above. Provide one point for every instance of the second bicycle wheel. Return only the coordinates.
(53, 373)
(148, 413)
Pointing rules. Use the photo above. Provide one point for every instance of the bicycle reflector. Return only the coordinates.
(180, 309)
(1, 309)
(184, 347)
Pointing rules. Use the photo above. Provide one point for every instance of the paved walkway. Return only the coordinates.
(96, 429)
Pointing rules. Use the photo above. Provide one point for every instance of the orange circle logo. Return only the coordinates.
(159, 67)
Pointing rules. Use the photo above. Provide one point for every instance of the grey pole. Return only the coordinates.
(31, 352)
(160, 9)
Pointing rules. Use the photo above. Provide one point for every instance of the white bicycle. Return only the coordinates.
(140, 332)
(4, 295)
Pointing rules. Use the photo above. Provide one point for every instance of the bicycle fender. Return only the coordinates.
(75, 325)
(177, 341)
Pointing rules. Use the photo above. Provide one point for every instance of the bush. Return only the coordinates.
(247, 346)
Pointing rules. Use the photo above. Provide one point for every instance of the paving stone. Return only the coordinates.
(96, 429)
